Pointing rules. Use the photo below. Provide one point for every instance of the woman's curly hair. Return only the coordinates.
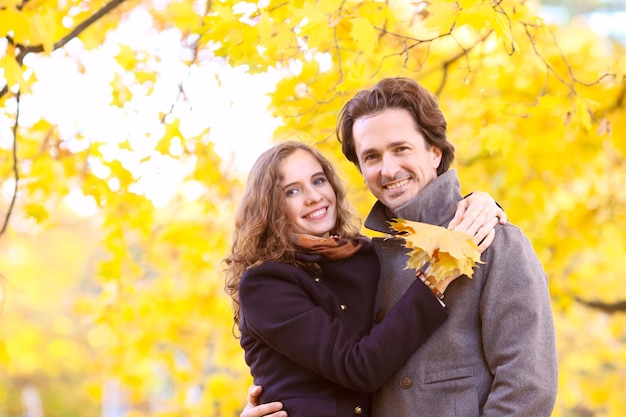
(262, 228)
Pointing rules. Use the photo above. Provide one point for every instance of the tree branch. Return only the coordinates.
(16, 174)
(25, 50)
(451, 60)
(619, 101)
(617, 307)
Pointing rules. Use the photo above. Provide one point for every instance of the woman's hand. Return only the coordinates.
(477, 215)
(253, 409)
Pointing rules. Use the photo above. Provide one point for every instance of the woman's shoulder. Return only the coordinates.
(272, 268)
(269, 277)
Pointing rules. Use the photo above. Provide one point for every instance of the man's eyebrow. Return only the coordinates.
(389, 145)
(397, 143)
(367, 151)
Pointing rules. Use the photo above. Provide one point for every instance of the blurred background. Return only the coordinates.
(127, 128)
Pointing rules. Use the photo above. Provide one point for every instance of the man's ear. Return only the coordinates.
(437, 154)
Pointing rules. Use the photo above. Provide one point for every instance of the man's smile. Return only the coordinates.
(395, 185)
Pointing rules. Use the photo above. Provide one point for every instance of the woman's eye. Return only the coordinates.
(319, 181)
(291, 192)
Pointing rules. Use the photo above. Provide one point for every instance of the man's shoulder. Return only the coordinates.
(510, 245)
(509, 233)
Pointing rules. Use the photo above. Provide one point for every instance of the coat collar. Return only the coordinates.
(435, 204)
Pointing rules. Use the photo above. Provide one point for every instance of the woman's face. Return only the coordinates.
(310, 198)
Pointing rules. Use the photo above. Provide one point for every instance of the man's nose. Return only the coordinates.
(389, 167)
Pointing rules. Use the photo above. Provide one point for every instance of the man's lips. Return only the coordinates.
(396, 185)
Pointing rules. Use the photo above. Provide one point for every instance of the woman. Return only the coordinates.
(304, 280)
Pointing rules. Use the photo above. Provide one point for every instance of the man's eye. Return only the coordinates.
(369, 158)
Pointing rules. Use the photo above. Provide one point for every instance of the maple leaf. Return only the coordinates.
(445, 250)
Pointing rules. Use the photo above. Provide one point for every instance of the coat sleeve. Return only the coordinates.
(279, 312)
(518, 329)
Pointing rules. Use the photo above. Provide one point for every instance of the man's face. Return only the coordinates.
(395, 159)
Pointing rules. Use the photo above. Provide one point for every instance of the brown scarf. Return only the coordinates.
(333, 248)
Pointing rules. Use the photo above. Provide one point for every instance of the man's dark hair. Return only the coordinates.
(397, 93)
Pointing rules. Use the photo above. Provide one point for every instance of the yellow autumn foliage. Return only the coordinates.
(446, 251)
(122, 310)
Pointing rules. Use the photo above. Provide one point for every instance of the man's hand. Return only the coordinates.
(477, 215)
(253, 409)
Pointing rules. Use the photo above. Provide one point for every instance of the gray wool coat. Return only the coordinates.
(496, 353)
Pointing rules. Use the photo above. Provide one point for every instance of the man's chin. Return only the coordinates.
(390, 199)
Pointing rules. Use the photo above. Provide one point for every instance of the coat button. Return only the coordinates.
(406, 382)
(358, 410)
(380, 315)
(316, 280)
(343, 307)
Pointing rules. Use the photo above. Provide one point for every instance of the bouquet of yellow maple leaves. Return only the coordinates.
(447, 251)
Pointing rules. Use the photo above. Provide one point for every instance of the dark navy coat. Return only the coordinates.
(310, 343)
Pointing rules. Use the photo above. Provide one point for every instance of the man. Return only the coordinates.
(495, 355)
